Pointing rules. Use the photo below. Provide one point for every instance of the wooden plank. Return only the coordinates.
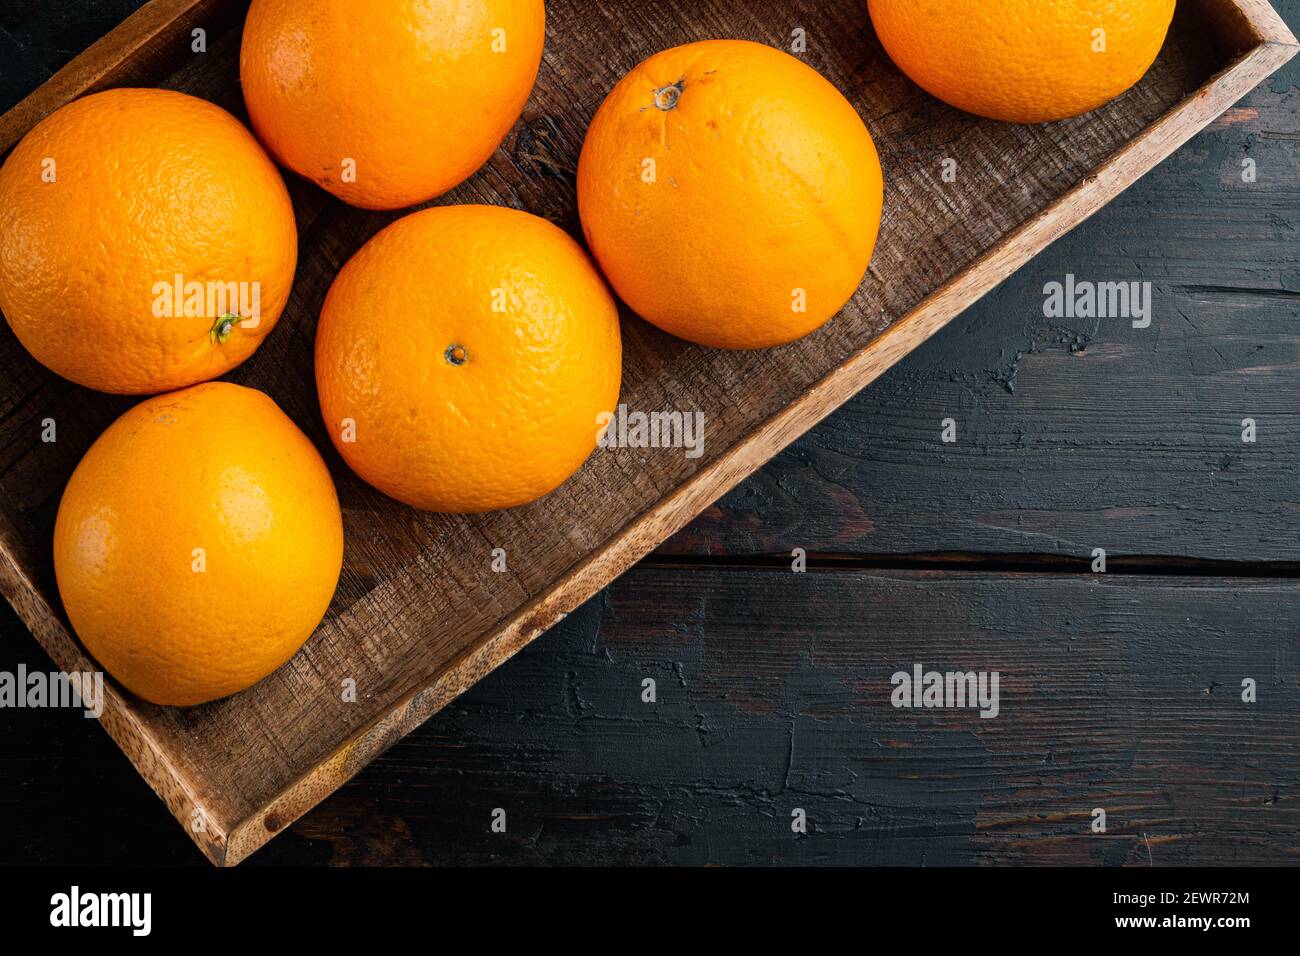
(773, 693)
(38, 39)
(150, 42)
(419, 616)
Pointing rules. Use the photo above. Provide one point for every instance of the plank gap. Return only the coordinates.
(979, 562)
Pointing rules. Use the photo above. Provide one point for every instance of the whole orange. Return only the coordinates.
(464, 356)
(198, 543)
(391, 102)
(146, 241)
(731, 195)
(1023, 61)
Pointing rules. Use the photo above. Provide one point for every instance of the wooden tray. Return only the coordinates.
(419, 615)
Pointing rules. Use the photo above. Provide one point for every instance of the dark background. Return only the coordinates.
(1119, 690)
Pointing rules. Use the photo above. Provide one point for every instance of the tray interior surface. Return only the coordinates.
(418, 590)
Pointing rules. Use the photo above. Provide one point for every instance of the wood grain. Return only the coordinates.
(419, 617)
(773, 693)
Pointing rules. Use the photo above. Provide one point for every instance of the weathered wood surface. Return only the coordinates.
(773, 693)
(873, 482)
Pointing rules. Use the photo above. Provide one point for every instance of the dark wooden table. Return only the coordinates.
(1120, 691)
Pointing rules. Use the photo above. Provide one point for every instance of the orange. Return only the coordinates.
(464, 357)
(388, 103)
(730, 194)
(1023, 61)
(198, 543)
(146, 241)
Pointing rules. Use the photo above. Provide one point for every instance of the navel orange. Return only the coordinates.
(1023, 61)
(731, 195)
(464, 356)
(198, 543)
(390, 102)
(146, 241)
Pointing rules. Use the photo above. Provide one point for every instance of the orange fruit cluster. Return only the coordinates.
(466, 356)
